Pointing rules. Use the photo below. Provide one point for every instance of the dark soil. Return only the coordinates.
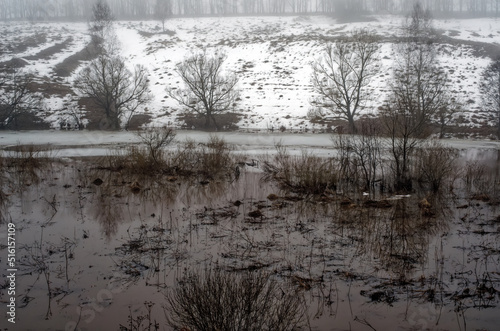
(69, 65)
(150, 34)
(223, 122)
(137, 121)
(50, 88)
(23, 44)
(96, 117)
(29, 121)
(14, 63)
(50, 51)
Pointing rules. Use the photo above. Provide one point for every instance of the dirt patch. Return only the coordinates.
(94, 114)
(69, 65)
(29, 121)
(12, 64)
(137, 121)
(223, 122)
(22, 44)
(50, 51)
(480, 49)
(147, 34)
(51, 88)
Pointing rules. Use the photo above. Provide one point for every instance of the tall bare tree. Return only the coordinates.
(207, 89)
(101, 23)
(115, 89)
(163, 10)
(16, 97)
(419, 92)
(418, 24)
(490, 89)
(341, 76)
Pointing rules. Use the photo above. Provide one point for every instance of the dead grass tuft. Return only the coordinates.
(305, 174)
(206, 161)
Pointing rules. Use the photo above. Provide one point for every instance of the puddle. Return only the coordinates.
(91, 252)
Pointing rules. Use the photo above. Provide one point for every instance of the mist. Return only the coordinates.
(37, 10)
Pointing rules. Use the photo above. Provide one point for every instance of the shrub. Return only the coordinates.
(149, 158)
(218, 300)
(211, 159)
(155, 140)
(435, 164)
(306, 173)
(215, 155)
(479, 180)
(359, 157)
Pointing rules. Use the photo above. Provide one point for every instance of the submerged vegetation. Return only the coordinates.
(361, 165)
(206, 161)
(285, 242)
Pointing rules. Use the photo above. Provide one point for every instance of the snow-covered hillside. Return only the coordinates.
(271, 56)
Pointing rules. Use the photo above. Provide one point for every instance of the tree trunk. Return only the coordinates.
(498, 126)
(208, 116)
(352, 125)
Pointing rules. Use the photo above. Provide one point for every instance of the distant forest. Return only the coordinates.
(37, 10)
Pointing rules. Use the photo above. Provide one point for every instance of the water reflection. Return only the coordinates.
(157, 228)
(400, 238)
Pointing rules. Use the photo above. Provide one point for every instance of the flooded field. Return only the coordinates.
(100, 248)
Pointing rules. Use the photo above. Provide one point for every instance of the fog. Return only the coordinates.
(36, 10)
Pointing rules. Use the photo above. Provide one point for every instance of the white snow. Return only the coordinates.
(271, 56)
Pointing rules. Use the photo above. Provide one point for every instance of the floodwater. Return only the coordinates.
(90, 253)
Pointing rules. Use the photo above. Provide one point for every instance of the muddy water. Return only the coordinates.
(90, 254)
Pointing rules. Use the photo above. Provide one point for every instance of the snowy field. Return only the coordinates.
(271, 56)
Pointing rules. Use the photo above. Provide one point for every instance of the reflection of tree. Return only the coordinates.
(399, 237)
(107, 213)
(193, 192)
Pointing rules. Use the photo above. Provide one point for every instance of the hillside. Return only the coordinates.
(271, 56)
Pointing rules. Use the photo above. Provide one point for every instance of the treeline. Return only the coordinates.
(146, 9)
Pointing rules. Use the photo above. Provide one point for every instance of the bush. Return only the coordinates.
(480, 181)
(217, 300)
(359, 157)
(435, 164)
(306, 174)
(210, 160)
(155, 140)
(149, 158)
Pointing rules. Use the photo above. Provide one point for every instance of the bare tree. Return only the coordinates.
(418, 93)
(16, 97)
(490, 89)
(418, 24)
(207, 89)
(115, 89)
(101, 22)
(163, 10)
(341, 76)
(445, 115)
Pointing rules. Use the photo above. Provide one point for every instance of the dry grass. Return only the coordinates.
(480, 181)
(306, 174)
(435, 164)
(210, 160)
(26, 163)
